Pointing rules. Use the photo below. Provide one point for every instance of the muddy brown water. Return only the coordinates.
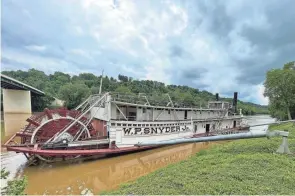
(97, 175)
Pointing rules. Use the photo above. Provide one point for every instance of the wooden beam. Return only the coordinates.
(121, 112)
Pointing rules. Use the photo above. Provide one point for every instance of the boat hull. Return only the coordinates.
(35, 154)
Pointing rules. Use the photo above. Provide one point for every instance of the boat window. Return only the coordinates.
(119, 124)
(124, 124)
(135, 125)
(113, 124)
(129, 125)
(139, 125)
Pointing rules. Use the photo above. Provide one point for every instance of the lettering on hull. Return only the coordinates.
(155, 130)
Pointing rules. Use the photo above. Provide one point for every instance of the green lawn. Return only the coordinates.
(240, 167)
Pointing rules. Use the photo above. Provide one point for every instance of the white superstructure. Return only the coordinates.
(128, 120)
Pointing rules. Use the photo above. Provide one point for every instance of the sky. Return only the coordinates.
(221, 46)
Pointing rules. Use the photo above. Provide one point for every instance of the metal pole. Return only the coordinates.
(100, 82)
(216, 138)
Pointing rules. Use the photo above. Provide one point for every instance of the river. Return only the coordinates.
(98, 175)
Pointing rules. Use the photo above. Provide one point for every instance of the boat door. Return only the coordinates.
(235, 124)
(207, 128)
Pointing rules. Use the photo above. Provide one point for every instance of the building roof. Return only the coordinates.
(10, 83)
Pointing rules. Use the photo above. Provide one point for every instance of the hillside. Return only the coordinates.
(75, 88)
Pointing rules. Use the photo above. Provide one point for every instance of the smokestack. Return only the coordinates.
(217, 97)
(235, 102)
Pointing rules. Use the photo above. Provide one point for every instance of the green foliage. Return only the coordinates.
(73, 94)
(4, 173)
(61, 85)
(280, 88)
(41, 102)
(243, 167)
(14, 187)
(123, 89)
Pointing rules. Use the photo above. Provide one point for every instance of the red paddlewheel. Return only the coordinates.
(45, 125)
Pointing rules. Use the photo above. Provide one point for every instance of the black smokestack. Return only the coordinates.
(217, 97)
(235, 102)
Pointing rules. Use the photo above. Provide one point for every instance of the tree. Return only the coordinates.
(73, 94)
(71, 89)
(41, 102)
(123, 89)
(188, 99)
(280, 88)
(123, 78)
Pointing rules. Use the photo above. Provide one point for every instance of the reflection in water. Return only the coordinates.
(13, 162)
(12, 124)
(99, 175)
(104, 174)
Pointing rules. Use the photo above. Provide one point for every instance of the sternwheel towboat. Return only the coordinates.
(112, 124)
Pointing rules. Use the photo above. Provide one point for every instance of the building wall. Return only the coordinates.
(16, 101)
(123, 140)
(150, 114)
(194, 127)
(100, 113)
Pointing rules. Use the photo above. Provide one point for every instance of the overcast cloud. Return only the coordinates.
(219, 46)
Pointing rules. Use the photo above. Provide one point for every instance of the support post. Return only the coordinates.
(284, 148)
(17, 101)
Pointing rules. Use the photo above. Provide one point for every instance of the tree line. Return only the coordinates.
(280, 88)
(74, 89)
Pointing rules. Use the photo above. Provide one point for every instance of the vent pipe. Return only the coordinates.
(235, 102)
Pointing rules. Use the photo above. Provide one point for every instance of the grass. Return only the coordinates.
(248, 167)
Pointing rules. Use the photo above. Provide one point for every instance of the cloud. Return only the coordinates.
(36, 48)
(80, 52)
(215, 46)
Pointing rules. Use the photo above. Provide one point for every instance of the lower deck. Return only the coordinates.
(129, 133)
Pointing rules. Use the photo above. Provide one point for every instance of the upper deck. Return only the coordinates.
(141, 108)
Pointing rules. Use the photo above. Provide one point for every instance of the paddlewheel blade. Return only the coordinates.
(48, 113)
